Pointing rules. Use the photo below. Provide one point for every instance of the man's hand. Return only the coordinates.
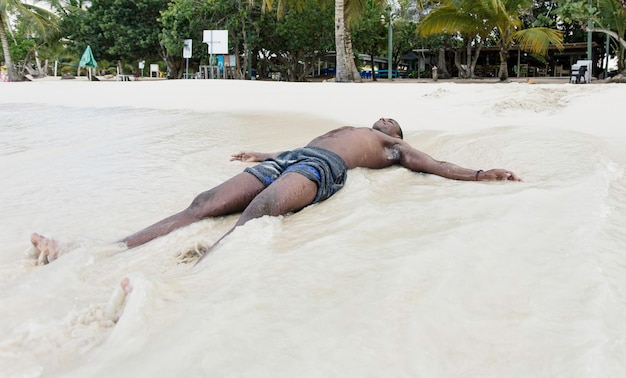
(252, 156)
(247, 156)
(497, 175)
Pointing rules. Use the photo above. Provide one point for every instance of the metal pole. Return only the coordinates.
(606, 53)
(389, 49)
(590, 26)
(249, 63)
(519, 60)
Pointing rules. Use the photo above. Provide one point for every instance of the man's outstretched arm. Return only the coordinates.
(252, 156)
(421, 162)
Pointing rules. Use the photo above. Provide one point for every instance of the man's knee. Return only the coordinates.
(200, 205)
(283, 197)
(265, 205)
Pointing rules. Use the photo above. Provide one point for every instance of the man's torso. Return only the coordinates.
(360, 147)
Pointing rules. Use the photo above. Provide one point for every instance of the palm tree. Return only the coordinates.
(498, 20)
(345, 11)
(36, 15)
(345, 69)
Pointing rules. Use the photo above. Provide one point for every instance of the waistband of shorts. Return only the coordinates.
(328, 154)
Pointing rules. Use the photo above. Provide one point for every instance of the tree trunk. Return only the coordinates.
(32, 72)
(475, 60)
(355, 76)
(503, 73)
(246, 56)
(471, 59)
(457, 63)
(468, 60)
(171, 62)
(39, 72)
(345, 69)
(8, 61)
(442, 68)
(341, 66)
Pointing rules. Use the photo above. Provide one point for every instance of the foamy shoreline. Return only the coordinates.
(419, 105)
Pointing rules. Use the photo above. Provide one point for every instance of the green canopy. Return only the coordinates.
(87, 59)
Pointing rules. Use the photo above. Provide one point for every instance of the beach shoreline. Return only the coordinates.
(415, 104)
(480, 80)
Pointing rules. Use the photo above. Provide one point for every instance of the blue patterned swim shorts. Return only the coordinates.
(321, 166)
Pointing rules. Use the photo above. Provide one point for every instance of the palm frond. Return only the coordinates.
(538, 40)
(447, 19)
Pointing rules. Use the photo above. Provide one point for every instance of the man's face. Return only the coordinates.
(388, 126)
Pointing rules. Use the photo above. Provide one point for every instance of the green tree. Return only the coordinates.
(468, 24)
(498, 20)
(346, 12)
(28, 40)
(345, 69)
(370, 33)
(407, 15)
(186, 19)
(607, 16)
(73, 24)
(124, 30)
(611, 20)
(293, 43)
(37, 17)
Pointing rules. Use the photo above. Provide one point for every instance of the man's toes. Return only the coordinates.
(125, 285)
(48, 248)
(35, 238)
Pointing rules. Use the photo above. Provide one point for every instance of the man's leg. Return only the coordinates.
(230, 197)
(289, 193)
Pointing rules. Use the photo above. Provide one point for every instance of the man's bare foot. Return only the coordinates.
(115, 306)
(48, 248)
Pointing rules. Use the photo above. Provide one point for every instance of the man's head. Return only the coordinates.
(388, 126)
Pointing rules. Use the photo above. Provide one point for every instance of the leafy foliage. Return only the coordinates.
(291, 40)
(294, 42)
(121, 29)
(35, 22)
(499, 20)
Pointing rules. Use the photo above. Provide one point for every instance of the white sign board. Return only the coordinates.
(187, 48)
(217, 41)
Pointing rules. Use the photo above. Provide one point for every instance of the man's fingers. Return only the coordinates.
(237, 156)
(513, 177)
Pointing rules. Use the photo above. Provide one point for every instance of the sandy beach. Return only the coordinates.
(399, 275)
(411, 102)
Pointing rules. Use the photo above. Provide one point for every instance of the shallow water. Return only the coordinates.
(400, 274)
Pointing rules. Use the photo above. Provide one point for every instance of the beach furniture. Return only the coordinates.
(581, 72)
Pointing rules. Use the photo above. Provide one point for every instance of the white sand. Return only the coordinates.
(447, 106)
(443, 106)
(400, 275)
